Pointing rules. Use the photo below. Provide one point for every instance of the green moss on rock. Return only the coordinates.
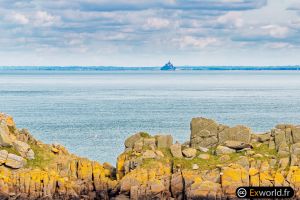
(145, 135)
(43, 157)
(10, 150)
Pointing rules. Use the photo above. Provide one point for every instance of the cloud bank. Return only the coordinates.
(146, 32)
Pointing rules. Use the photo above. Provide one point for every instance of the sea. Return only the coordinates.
(93, 112)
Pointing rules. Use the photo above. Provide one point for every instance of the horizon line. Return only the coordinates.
(154, 68)
(141, 66)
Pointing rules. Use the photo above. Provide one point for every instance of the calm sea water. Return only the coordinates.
(92, 113)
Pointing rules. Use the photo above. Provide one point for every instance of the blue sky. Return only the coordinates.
(149, 32)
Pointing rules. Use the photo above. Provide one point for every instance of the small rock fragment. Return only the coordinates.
(189, 152)
(204, 156)
(195, 167)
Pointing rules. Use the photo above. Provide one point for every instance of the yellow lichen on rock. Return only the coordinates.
(279, 179)
(233, 177)
(7, 119)
(120, 166)
(84, 169)
(294, 176)
(265, 176)
(150, 168)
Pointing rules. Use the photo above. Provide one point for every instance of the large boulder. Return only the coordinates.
(15, 161)
(204, 132)
(189, 152)
(24, 149)
(164, 141)
(176, 150)
(5, 139)
(129, 142)
(280, 139)
(3, 156)
(208, 133)
(237, 133)
(263, 137)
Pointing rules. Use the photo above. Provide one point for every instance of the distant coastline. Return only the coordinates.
(113, 68)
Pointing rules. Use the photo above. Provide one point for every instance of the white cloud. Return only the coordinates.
(43, 18)
(190, 41)
(39, 18)
(277, 31)
(18, 18)
(147, 26)
(232, 19)
(156, 23)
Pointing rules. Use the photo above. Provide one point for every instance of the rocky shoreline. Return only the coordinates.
(211, 165)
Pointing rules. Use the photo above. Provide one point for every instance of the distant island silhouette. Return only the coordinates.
(168, 67)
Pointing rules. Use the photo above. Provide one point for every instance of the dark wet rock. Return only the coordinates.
(237, 145)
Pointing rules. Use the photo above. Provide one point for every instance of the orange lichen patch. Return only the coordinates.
(8, 119)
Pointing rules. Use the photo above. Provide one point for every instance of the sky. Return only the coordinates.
(149, 32)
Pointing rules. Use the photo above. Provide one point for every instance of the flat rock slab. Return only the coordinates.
(15, 161)
(129, 142)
